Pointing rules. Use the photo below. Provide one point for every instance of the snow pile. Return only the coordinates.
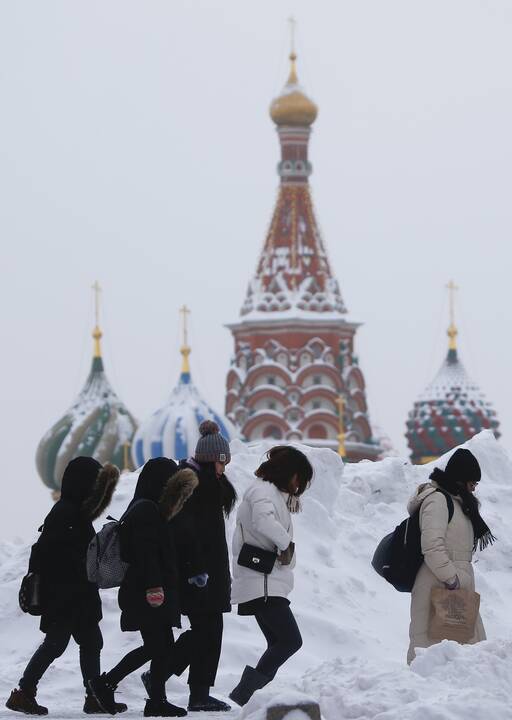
(354, 625)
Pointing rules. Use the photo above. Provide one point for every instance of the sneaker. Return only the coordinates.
(209, 704)
(146, 681)
(25, 702)
(92, 706)
(103, 693)
(162, 708)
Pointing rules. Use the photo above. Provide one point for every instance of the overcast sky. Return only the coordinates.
(136, 149)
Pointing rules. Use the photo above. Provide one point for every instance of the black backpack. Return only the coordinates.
(398, 556)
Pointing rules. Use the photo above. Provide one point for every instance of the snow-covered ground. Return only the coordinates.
(354, 625)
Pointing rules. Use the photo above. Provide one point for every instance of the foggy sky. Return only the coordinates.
(136, 149)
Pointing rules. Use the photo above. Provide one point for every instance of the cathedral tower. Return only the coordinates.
(97, 425)
(294, 375)
(452, 407)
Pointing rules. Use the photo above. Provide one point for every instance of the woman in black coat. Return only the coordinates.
(148, 596)
(205, 579)
(71, 604)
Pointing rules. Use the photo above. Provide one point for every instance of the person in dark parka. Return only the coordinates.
(71, 604)
(205, 579)
(148, 596)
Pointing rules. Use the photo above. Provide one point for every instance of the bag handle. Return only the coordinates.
(276, 549)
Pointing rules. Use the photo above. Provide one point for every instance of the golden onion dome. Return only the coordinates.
(293, 107)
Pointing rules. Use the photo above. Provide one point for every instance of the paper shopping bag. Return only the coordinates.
(453, 614)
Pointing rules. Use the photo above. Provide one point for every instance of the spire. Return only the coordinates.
(292, 78)
(96, 333)
(185, 348)
(452, 329)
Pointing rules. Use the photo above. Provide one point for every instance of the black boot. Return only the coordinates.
(92, 706)
(200, 700)
(103, 692)
(162, 708)
(25, 701)
(250, 681)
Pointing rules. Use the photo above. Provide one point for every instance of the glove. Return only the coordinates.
(199, 580)
(155, 597)
(453, 584)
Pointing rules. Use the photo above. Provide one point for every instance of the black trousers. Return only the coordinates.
(89, 640)
(282, 634)
(157, 647)
(199, 649)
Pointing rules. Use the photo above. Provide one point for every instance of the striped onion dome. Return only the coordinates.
(96, 425)
(449, 412)
(173, 430)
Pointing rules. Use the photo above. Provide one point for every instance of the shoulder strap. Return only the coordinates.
(137, 502)
(449, 502)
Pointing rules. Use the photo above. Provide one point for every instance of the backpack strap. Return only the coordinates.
(133, 506)
(449, 502)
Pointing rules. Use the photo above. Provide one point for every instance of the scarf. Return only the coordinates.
(470, 507)
(293, 504)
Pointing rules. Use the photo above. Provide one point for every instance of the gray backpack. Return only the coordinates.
(104, 565)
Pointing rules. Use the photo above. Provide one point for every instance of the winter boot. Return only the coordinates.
(92, 706)
(201, 701)
(162, 708)
(25, 701)
(250, 681)
(103, 693)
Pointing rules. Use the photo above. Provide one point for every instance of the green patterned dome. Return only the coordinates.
(449, 411)
(96, 425)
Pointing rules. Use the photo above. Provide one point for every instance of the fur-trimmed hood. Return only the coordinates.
(102, 492)
(178, 488)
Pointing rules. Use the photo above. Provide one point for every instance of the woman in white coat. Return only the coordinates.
(264, 521)
(447, 544)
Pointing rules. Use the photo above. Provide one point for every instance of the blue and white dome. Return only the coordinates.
(173, 430)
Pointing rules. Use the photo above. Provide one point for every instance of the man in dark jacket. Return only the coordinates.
(205, 579)
(148, 596)
(71, 604)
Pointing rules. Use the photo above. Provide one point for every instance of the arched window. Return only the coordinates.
(272, 431)
(317, 432)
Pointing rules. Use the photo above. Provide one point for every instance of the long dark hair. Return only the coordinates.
(228, 495)
(282, 464)
(463, 467)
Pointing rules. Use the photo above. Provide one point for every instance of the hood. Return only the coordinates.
(177, 491)
(102, 492)
(423, 491)
(153, 478)
(79, 479)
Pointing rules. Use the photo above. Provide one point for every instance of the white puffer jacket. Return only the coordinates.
(263, 520)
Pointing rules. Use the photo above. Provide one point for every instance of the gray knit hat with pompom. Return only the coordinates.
(211, 446)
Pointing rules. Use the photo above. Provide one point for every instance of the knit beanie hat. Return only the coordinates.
(211, 446)
(463, 467)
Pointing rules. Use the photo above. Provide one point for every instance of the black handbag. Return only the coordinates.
(30, 594)
(256, 558)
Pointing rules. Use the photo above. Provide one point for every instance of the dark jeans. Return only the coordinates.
(157, 647)
(87, 637)
(199, 648)
(282, 634)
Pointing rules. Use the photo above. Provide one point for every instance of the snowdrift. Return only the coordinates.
(354, 625)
